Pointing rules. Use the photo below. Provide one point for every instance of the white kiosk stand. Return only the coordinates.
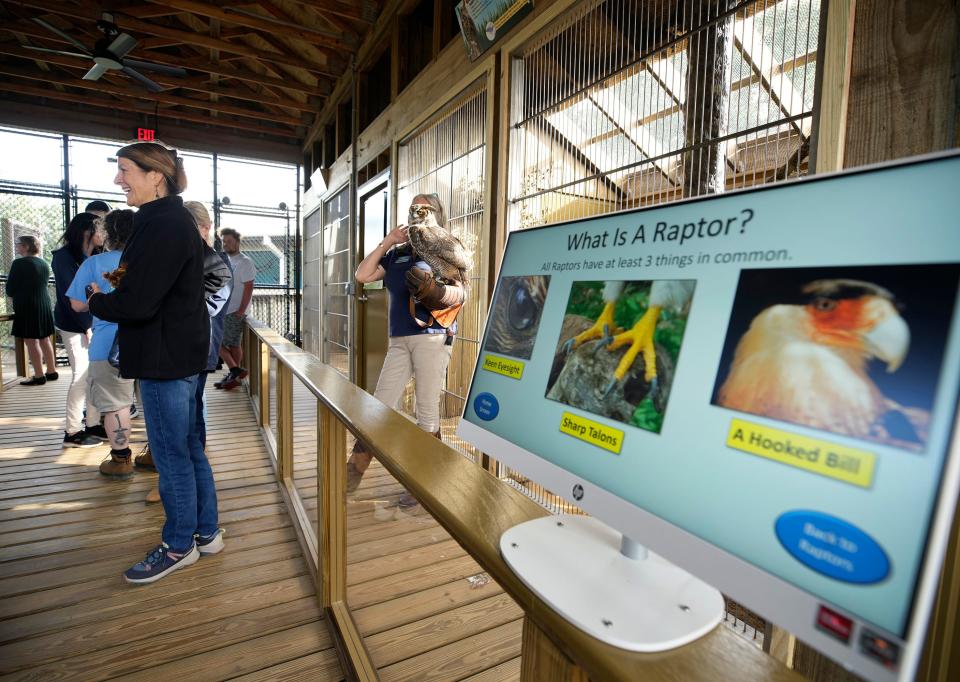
(609, 586)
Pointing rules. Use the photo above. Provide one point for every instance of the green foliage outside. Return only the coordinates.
(586, 299)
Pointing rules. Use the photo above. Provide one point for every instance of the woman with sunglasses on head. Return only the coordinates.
(420, 339)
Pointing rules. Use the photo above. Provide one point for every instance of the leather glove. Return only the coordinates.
(425, 289)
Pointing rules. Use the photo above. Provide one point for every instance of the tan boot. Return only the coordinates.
(145, 460)
(154, 495)
(120, 468)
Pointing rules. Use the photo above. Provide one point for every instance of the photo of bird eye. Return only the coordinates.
(618, 348)
(515, 315)
(855, 351)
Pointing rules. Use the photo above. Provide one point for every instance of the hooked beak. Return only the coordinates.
(889, 339)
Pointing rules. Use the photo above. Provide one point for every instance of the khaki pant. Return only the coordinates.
(79, 391)
(425, 358)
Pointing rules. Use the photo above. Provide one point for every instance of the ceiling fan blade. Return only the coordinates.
(66, 36)
(146, 82)
(122, 44)
(95, 73)
(65, 54)
(159, 68)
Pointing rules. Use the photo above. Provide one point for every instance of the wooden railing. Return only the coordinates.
(471, 504)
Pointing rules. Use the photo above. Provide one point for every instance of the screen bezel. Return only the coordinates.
(783, 603)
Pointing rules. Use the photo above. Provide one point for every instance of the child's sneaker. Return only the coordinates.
(158, 562)
(210, 544)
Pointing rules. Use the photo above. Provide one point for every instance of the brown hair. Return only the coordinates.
(30, 243)
(153, 156)
(117, 228)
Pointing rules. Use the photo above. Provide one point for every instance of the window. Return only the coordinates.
(617, 108)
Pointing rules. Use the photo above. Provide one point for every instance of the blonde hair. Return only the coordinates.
(153, 156)
(202, 217)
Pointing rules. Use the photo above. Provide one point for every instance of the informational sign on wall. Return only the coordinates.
(774, 372)
(482, 22)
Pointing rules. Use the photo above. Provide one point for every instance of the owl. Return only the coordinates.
(447, 257)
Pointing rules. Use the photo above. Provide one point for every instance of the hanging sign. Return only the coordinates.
(482, 22)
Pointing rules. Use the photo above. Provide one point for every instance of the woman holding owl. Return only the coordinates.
(423, 304)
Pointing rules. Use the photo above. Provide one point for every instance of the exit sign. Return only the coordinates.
(146, 134)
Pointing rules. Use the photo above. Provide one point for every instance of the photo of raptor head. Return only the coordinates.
(855, 351)
(515, 315)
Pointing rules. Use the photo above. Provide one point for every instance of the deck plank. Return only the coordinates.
(67, 533)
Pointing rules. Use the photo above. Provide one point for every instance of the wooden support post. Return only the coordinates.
(331, 482)
(21, 355)
(284, 435)
(542, 661)
(708, 90)
(835, 60)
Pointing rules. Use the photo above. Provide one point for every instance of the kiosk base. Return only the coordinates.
(574, 563)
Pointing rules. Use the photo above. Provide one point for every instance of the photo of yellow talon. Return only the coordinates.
(618, 347)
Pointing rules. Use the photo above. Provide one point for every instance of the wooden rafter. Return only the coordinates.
(173, 100)
(196, 84)
(33, 31)
(338, 24)
(95, 101)
(186, 37)
(326, 7)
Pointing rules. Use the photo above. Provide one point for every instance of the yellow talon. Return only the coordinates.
(640, 338)
(603, 326)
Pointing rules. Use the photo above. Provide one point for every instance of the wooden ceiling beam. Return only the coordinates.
(163, 98)
(239, 17)
(84, 98)
(146, 11)
(28, 28)
(187, 37)
(334, 8)
(348, 31)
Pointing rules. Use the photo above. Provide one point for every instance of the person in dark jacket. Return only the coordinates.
(79, 241)
(33, 314)
(164, 337)
(216, 288)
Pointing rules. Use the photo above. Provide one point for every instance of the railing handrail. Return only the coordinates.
(476, 508)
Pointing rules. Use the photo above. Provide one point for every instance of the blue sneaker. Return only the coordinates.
(210, 544)
(158, 563)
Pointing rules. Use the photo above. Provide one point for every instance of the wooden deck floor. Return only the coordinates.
(425, 608)
(67, 533)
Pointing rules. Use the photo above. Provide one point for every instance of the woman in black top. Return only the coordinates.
(164, 333)
(79, 240)
(33, 314)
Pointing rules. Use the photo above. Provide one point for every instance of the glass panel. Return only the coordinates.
(337, 273)
(413, 590)
(272, 421)
(306, 434)
(31, 157)
(257, 183)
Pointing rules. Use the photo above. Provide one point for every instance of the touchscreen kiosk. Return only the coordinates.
(754, 392)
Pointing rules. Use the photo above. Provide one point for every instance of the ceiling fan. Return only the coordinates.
(109, 54)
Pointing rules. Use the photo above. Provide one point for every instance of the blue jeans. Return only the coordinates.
(186, 479)
(202, 408)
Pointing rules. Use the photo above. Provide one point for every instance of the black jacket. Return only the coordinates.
(164, 328)
(65, 267)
